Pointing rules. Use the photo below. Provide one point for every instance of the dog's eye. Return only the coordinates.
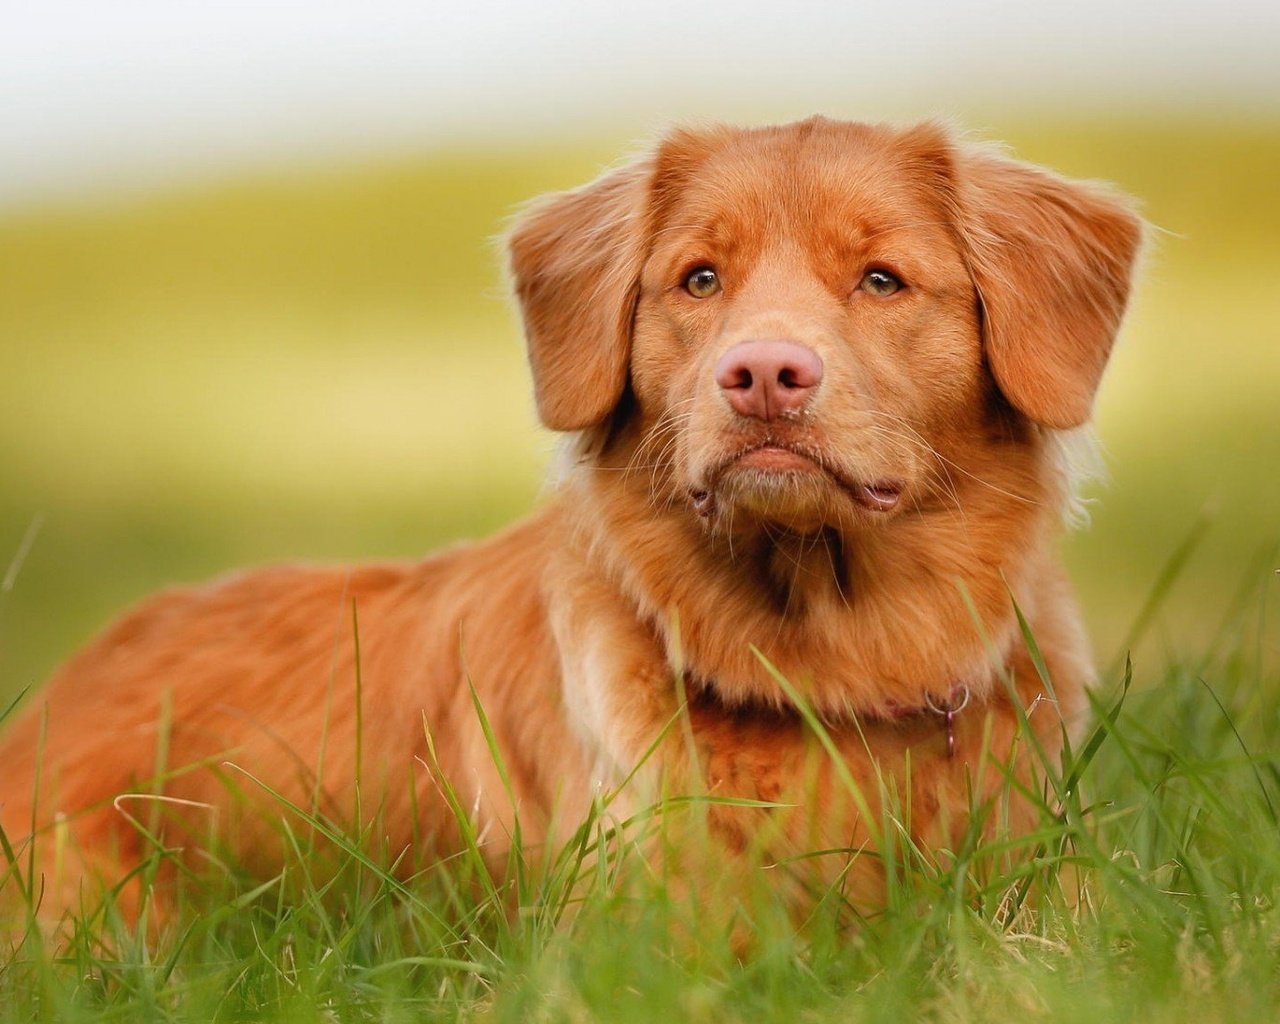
(879, 282)
(702, 282)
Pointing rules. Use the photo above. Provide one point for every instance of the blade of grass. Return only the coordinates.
(1160, 590)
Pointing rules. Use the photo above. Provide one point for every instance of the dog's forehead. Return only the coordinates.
(815, 173)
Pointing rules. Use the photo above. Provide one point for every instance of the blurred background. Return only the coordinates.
(251, 307)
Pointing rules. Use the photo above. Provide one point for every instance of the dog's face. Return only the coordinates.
(805, 325)
(804, 322)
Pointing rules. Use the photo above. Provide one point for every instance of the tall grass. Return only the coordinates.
(1147, 891)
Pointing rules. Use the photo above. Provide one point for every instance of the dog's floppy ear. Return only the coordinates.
(575, 259)
(1052, 261)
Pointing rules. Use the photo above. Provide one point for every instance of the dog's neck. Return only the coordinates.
(909, 609)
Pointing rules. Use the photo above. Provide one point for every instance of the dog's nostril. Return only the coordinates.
(743, 379)
(787, 378)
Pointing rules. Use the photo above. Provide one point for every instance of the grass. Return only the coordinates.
(1148, 892)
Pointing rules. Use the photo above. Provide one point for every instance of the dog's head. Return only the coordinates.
(803, 324)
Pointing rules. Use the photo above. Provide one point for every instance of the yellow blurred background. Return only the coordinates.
(252, 351)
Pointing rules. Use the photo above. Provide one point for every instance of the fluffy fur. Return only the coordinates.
(672, 545)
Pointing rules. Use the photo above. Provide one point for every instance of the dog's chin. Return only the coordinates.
(802, 502)
(788, 489)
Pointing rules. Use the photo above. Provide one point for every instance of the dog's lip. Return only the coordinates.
(881, 496)
(776, 458)
(877, 496)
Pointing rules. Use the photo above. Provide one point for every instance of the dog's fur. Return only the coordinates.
(669, 552)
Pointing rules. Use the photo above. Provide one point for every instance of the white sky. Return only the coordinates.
(100, 93)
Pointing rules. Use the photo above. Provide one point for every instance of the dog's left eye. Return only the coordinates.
(879, 282)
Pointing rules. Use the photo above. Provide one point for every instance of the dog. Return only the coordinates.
(813, 382)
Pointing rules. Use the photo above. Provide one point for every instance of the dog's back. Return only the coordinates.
(299, 681)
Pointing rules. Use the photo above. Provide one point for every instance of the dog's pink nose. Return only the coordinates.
(768, 379)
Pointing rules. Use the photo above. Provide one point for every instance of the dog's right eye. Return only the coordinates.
(702, 282)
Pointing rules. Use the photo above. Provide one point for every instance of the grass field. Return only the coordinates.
(322, 365)
(1148, 892)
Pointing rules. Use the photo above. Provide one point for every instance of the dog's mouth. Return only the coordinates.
(781, 474)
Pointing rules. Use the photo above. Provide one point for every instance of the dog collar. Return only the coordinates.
(947, 709)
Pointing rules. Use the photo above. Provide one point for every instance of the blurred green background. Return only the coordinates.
(316, 359)
(325, 365)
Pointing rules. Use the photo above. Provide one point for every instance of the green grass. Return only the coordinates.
(1148, 892)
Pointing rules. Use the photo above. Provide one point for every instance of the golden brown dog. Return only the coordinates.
(813, 379)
